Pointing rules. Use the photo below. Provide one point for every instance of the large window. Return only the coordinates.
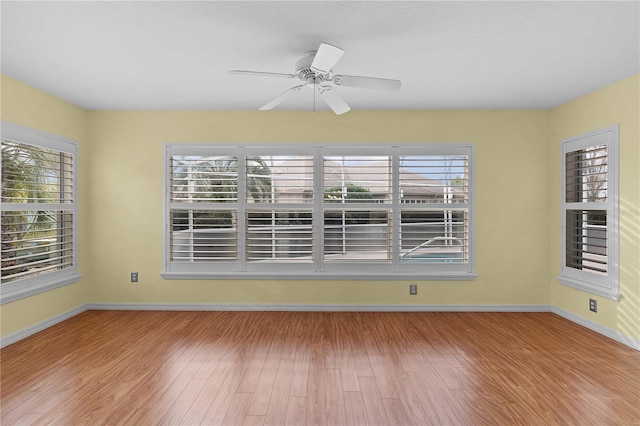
(38, 212)
(590, 212)
(319, 212)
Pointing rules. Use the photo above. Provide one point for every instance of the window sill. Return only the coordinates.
(590, 288)
(10, 292)
(318, 276)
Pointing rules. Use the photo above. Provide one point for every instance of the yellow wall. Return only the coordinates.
(517, 201)
(29, 107)
(617, 103)
(511, 197)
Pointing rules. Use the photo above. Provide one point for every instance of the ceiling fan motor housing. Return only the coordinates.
(303, 65)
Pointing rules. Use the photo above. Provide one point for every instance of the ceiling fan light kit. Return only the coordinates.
(316, 70)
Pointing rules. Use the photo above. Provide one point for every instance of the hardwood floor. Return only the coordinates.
(296, 368)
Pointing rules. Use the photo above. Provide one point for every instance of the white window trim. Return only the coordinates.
(19, 289)
(609, 285)
(287, 271)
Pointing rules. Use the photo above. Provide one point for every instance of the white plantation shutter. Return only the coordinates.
(37, 211)
(324, 211)
(434, 203)
(280, 179)
(357, 220)
(204, 235)
(279, 215)
(25, 163)
(586, 236)
(33, 252)
(433, 236)
(39, 206)
(203, 220)
(589, 212)
(586, 230)
(434, 179)
(203, 195)
(352, 236)
(204, 179)
(586, 175)
(359, 179)
(279, 236)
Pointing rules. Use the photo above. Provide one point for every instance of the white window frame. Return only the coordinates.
(606, 285)
(21, 288)
(318, 269)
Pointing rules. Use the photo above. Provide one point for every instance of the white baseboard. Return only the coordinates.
(314, 307)
(26, 332)
(612, 334)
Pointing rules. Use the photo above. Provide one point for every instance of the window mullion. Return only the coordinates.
(242, 209)
(395, 210)
(318, 209)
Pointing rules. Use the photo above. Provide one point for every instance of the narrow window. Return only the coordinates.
(590, 212)
(39, 231)
(203, 216)
(434, 216)
(279, 209)
(357, 197)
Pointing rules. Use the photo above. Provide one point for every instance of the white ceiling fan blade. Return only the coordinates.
(326, 58)
(333, 99)
(277, 101)
(262, 74)
(367, 82)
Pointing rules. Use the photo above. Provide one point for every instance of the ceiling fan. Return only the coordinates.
(315, 69)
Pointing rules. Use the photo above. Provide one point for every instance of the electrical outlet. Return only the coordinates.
(134, 277)
(413, 289)
(593, 305)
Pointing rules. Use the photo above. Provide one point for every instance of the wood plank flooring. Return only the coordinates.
(318, 368)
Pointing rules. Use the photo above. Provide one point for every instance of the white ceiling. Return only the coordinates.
(449, 55)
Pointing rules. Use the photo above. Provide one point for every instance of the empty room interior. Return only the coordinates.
(310, 212)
